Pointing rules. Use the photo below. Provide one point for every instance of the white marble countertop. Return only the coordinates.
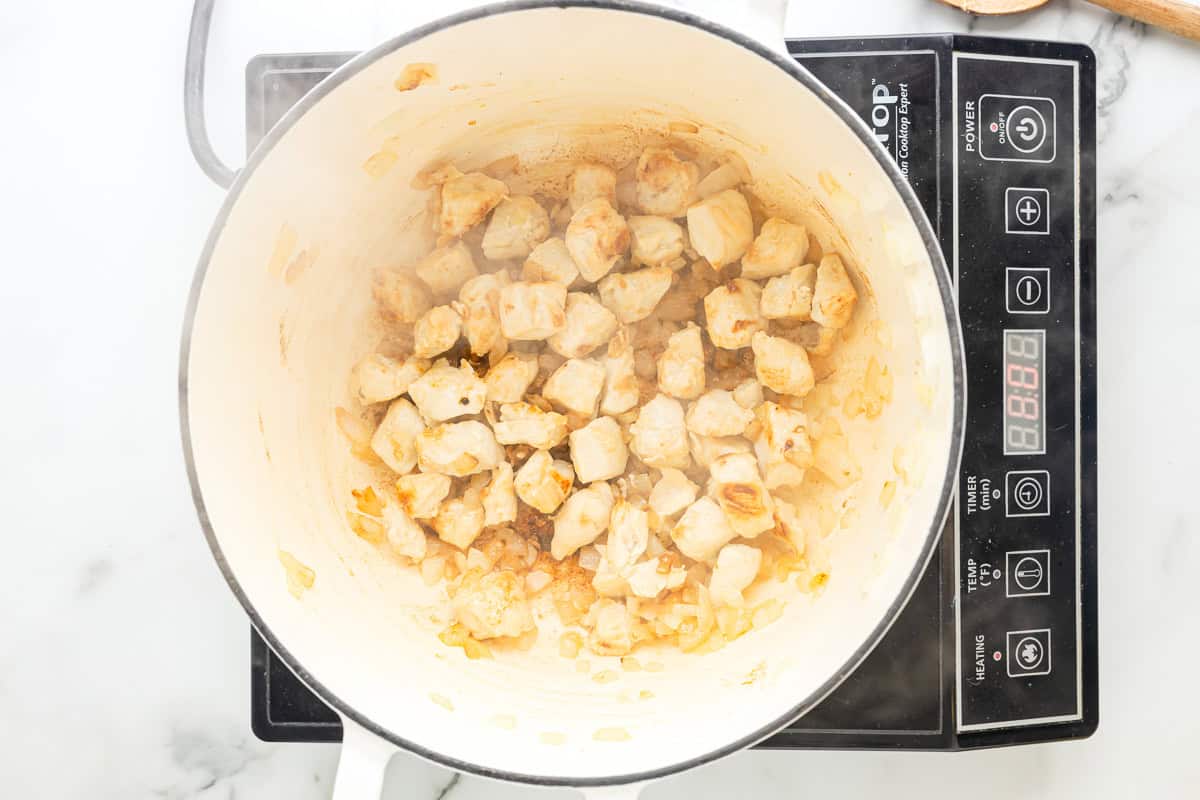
(123, 672)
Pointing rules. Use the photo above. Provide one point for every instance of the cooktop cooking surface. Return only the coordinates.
(998, 643)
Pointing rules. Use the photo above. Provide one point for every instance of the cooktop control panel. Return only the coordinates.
(997, 644)
(997, 138)
(1016, 260)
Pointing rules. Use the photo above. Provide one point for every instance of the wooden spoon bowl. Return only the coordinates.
(995, 7)
(1177, 16)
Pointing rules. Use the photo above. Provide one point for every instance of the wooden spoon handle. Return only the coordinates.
(1176, 16)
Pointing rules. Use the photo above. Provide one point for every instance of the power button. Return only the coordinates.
(1016, 128)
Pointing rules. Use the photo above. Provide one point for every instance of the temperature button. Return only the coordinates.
(1027, 573)
(1016, 128)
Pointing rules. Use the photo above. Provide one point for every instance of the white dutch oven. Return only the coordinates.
(279, 311)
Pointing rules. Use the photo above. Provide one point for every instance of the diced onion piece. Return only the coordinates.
(831, 456)
(492, 604)
(726, 176)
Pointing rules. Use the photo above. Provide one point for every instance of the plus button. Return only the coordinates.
(1028, 208)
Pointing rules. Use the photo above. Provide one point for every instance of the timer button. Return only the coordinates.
(1028, 290)
(1027, 493)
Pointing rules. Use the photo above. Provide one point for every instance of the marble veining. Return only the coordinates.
(1118, 42)
(124, 668)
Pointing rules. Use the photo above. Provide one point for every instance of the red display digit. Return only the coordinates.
(1022, 377)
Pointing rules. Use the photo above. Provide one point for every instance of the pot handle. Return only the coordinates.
(363, 763)
(761, 19)
(193, 97)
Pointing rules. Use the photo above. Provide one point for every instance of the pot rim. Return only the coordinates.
(941, 273)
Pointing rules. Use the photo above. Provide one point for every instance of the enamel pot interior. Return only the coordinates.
(282, 309)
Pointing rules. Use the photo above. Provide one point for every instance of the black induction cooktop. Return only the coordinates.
(998, 643)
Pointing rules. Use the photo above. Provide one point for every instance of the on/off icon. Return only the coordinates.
(1026, 129)
(1017, 128)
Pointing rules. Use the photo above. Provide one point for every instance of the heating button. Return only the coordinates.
(1028, 653)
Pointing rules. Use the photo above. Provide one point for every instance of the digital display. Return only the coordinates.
(1024, 392)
